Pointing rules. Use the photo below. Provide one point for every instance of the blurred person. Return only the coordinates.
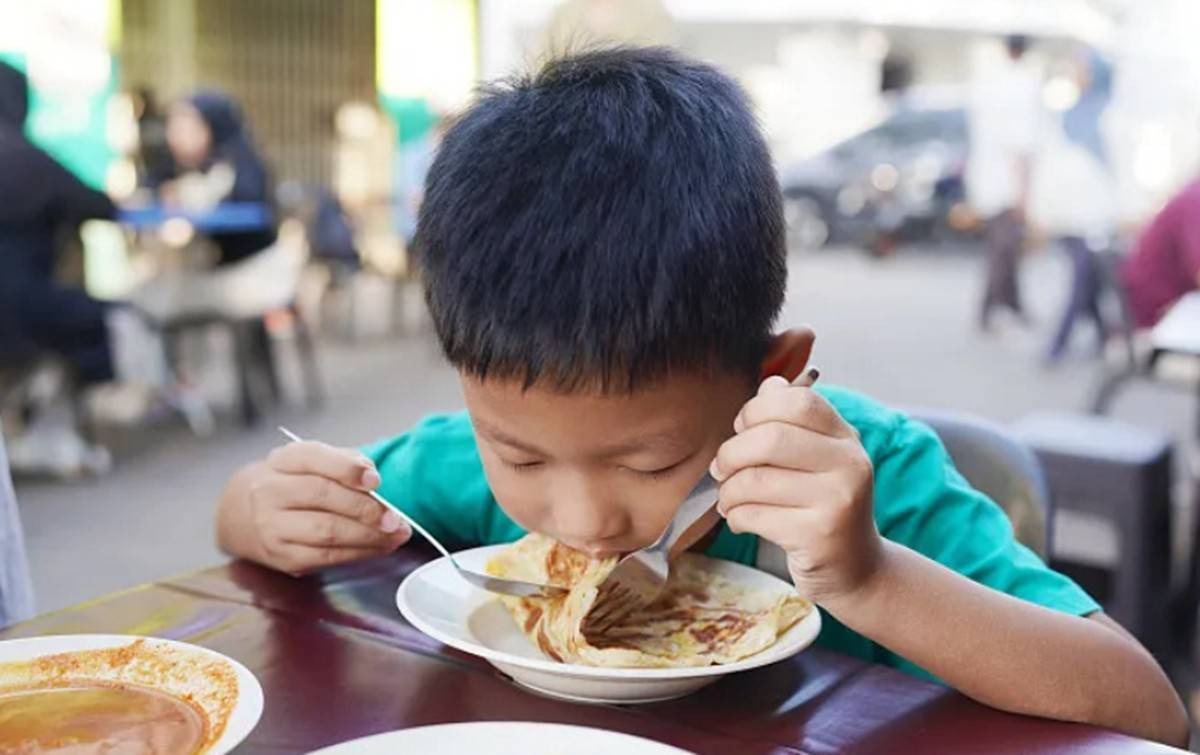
(1074, 199)
(154, 161)
(38, 199)
(603, 250)
(216, 161)
(1165, 263)
(99, 342)
(1003, 115)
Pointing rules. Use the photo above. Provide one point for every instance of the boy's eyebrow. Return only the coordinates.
(670, 439)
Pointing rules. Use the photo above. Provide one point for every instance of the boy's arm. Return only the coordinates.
(1011, 654)
(797, 474)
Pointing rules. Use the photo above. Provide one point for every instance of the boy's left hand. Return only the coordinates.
(796, 474)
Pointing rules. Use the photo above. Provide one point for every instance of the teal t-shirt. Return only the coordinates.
(921, 501)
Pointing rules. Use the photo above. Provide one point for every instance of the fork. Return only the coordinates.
(640, 576)
(515, 587)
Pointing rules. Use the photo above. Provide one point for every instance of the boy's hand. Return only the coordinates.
(796, 474)
(308, 507)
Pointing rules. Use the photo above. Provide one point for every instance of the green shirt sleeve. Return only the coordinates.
(434, 474)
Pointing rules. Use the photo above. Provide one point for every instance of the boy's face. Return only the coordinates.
(600, 473)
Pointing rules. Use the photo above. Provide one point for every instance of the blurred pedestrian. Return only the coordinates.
(154, 162)
(39, 199)
(1165, 264)
(1003, 118)
(216, 161)
(1075, 199)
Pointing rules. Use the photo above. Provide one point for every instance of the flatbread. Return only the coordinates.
(701, 619)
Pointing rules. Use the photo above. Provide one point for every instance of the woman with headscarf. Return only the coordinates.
(38, 199)
(216, 161)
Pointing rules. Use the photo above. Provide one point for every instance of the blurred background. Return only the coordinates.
(991, 206)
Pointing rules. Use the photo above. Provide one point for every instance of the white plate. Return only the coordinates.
(502, 738)
(440, 603)
(242, 719)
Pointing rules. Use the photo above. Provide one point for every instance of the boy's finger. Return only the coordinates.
(324, 530)
(786, 527)
(771, 485)
(302, 559)
(344, 465)
(798, 406)
(307, 492)
(777, 444)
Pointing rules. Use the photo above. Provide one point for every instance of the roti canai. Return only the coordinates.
(700, 619)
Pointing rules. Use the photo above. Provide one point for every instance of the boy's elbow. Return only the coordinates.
(1154, 710)
(1133, 695)
(1162, 718)
(1170, 723)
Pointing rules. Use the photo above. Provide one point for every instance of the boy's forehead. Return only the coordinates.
(666, 414)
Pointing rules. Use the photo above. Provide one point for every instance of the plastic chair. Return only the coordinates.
(238, 297)
(999, 465)
(1119, 473)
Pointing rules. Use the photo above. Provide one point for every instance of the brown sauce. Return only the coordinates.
(94, 718)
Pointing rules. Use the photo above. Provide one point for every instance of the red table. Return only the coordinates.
(337, 661)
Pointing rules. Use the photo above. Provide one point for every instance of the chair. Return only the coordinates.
(1120, 473)
(16, 590)
(1000, 466)
(238, 298)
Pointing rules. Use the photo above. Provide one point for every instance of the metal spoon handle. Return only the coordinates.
(388, 506)
(702, 498)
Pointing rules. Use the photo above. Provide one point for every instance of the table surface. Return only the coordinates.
(337, 662)
(1179, 329)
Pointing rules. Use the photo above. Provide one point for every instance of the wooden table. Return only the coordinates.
(336, 662)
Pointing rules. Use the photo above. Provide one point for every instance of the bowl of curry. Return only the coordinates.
(84, 694)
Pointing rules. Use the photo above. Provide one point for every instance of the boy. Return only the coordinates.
(604, 260)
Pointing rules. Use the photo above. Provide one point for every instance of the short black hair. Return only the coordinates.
(607, 221)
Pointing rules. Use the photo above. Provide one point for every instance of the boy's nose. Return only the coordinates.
(585, 516)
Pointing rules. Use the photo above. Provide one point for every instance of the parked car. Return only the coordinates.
(899, 181)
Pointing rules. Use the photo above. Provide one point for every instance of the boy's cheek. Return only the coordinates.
(512, 498)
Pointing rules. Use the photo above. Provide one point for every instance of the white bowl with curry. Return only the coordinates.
(118, 693)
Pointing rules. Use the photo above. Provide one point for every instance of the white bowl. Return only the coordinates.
(440, 603)
(242, 719)
(502, 738)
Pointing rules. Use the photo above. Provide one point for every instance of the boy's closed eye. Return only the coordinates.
(655, 472)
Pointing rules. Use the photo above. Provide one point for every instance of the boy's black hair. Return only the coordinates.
(609, 220)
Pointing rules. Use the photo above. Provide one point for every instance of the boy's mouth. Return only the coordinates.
(599, 549)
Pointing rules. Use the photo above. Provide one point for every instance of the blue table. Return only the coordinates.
(229, 217)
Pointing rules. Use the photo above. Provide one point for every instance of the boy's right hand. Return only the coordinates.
(308, 507)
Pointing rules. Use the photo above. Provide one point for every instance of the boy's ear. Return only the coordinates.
(788, 353)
